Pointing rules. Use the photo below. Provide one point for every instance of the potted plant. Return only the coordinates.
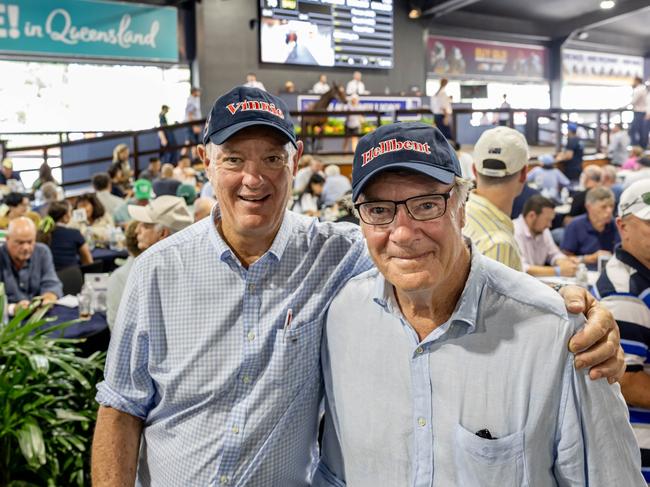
(47, 406)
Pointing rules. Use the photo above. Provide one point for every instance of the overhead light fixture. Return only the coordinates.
(415, 13)
(582, 35)
(607, 4)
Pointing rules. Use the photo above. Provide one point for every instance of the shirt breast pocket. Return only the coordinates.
(296, 353)
(484, 462)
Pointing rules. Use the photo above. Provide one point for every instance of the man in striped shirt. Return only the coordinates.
(500, 166)
(624, 287)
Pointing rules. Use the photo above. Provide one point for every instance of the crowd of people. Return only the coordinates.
(423, 265)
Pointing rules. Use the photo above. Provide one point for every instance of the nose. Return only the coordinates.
(252, 175)
(403, 227)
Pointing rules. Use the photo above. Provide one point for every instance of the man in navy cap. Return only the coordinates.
(444, 364)
(213, 373)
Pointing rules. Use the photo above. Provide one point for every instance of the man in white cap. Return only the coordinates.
(624, 287)
(500, 166)
(158, 220)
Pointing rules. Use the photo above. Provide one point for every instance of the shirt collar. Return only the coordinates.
(628, 259)
(467, 307)
(519, 221)
(278, 245)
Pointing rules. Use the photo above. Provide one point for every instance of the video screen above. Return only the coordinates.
(340, 33)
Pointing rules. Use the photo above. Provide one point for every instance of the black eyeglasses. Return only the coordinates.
(645, 197)
(420, 208)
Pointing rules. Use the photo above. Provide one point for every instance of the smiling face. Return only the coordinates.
(415, 255)
(251, 174)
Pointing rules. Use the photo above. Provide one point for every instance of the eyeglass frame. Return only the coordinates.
(445, 197)
(644, 197)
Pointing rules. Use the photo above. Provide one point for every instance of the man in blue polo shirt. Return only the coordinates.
(594, 233)
(624, 286)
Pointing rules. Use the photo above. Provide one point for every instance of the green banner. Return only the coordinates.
(89, 29)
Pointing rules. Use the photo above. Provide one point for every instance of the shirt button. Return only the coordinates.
(224, 480)
(246, 379)
(422, 422)
(419, 350)
(235, 429)
(250, 336)
(251, 287)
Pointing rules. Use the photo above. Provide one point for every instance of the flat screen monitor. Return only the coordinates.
(473, 91)
(337, 33)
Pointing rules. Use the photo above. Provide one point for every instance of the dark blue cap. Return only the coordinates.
(407, 145)
(245, 107)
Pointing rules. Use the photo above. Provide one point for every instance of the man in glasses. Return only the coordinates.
(213, 373)
(624, 286)
(444, 367)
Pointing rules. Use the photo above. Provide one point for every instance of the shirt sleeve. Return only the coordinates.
(77, 238)
(532, 174)
(562, 179)
(127, 384)
(554, 253)
(570, 240)
(50, 282)
(595, 445)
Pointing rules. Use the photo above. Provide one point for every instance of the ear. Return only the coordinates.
(524, 173)
(297, 157)
(203, 154)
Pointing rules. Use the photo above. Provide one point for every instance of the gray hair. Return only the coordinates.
(594, 195)
(332, 170)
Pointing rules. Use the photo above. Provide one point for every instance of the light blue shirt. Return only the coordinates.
(334, 188)
(199, 352)
(549, 181)
(406, 413)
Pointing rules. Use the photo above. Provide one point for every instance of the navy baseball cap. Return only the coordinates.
(407, 145)
(245, 107)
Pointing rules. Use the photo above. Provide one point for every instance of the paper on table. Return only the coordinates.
(69, 301)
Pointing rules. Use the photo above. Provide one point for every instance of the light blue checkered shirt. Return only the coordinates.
(404, 412)
(199, 352)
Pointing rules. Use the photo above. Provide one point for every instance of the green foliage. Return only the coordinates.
(47, 406)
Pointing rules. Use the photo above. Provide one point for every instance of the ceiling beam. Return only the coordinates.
(599, 18)
(446, 7)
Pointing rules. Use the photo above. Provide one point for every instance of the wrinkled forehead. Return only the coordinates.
(255, 136)
(402, 182)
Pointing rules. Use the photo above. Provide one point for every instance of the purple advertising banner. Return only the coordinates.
(473, 59)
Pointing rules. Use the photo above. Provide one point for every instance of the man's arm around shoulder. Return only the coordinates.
(115, 448)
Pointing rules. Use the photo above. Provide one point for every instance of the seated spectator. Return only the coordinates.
(17, 205)
(48, 193)
(203, 207)
(520, 200)
(153, 170)
(158, 220)
(618, 142)
(608, 179)
(166, 184)
(345, 211)
(7, 172)
(632, 163)
(336, 185)
(183, 164)
(308, 202)
(593, 234)
(548, 179)
(97, 226)
(590, 178)
(624, 287)
(26, 267)
(117, 280)
(539, 254)
(118, 182)
(44, 176)
(121, 158)
(642, 173)
(142, 194)
(103, 185)
(67, 245)
(188, 193)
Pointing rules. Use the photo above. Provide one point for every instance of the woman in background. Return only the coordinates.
(97, 226)
(68, 246)
(308, 202)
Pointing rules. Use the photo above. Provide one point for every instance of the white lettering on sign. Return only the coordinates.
(11, 12)
(59, 28)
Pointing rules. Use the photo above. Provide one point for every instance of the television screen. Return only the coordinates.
(473, 91)
(340, 33)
